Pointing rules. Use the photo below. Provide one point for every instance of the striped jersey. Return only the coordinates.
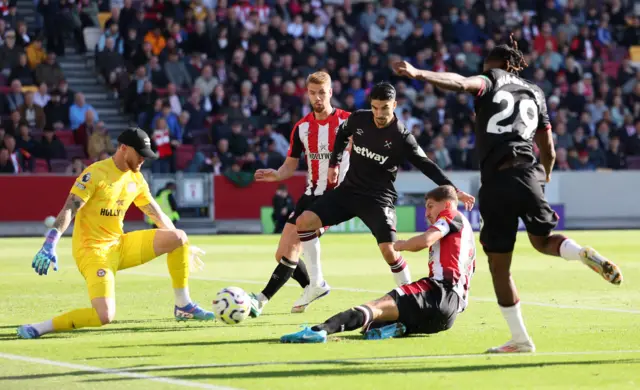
(315, 139)
(452, 259)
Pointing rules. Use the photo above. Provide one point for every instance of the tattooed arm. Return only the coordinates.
(68, 212)
(155, 213)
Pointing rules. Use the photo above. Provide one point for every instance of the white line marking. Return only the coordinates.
(479, 299)
(110, 371)
(378, 359)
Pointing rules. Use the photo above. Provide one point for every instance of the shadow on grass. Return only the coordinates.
(348, 369)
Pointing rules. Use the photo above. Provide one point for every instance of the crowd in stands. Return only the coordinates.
(219, 84)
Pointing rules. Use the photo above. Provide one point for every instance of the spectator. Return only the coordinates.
(597, 156)
(32, 113)
(379, 31)
(175, 101)
(42, 97)
(15, 98)
(36, 53)
(49, 72)
(16, 156)
(99, 141)
(78, 111)
(22, 72)
(206, 82)
(50, 146)
(6, 165)
(238, 144)
(55, 112)
(156, 39)
(76, 167)
(9, 53)
(584, 164)
(562, 164)
(177, 72)
(616, 158)
(82, 133)
(283, 206)
(540, 43)
(111, 33)
(442, 157)
(633, 141)
(171, 120)
(27, 145)
(23, 37)
(462, 157)
(562, 138)
(12, 125)
(162, 141)
(110, 63)
(224, 155)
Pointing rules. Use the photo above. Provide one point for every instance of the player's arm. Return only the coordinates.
(343, 137)
(155, 213)
(445, 80)
(544, 140)
(287, 170)
(419, 242)
(71, 207)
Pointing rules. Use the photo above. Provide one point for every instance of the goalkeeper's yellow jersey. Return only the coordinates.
(108, 193)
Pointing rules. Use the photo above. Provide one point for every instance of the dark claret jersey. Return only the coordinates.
(509, 110)
(376, 155)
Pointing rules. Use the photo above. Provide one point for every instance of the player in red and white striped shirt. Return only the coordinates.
(429, 305)
(313, 135)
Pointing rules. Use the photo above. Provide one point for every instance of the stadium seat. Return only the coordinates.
(59, 165)
(42, 166)
(184, 154)
(102, 19)
(75, 151)
(66, 137)
(633, 162)
(91, 37)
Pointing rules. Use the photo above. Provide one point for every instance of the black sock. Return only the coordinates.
(351, 319)
(301, 275)
(279, 277)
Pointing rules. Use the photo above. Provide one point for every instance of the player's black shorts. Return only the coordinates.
(426, 306)
(507, 195)
(342, 204)
(303, 204)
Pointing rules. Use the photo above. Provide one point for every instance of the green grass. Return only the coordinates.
(568, 317)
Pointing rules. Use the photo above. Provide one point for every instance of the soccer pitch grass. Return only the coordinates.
(584, 328)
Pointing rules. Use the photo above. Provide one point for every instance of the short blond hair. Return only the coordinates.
(319, 78)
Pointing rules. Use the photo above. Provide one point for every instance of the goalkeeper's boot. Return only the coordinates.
(310, 294)
(256, 306)
(192, 312)
(600, 264)
(27, 332)
(381, 331)
(514, 347)
(305, 336)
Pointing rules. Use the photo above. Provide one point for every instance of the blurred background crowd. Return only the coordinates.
(219, 84)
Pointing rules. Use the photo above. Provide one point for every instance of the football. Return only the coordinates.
(49, 221)
(232, 305)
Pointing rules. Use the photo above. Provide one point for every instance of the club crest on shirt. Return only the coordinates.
(101, 273)
(131, 186)
(120, 202)
(86, 177)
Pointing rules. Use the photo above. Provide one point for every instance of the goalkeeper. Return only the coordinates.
(100, 197)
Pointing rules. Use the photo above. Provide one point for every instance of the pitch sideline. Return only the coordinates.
(112, 371)
(478, 299)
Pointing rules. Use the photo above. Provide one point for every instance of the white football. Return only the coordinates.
(49, 221)
(232, 305)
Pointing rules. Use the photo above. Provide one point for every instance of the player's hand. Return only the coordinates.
(44, 258)
(332, 175)
(195, 264)
(399, 245)
(267, 175)
(403, 68)
(467, 199)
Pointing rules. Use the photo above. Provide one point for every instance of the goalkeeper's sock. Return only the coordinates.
(279, 278)
(76, 319)
(178, 264)
(44, 327)
(301, 275)
(351, 319)
(182, 296)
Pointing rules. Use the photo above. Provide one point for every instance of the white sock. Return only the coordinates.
(401, 273)
(513, 315)
(570, 250)
(311, 250)
(262, 299)
(44, 327)
(182, 296)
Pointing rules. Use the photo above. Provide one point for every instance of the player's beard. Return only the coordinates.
(318, 107)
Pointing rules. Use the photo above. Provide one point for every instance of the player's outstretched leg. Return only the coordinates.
(308, 226)
(562, 246)
(399, 267)
(289, 266)
(175, 243)
(383, 309)
(507, 294)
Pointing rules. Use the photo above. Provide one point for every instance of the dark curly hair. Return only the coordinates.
(509, 53)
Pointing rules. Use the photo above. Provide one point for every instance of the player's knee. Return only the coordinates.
(305, 221)
(177, 238)
(106, 314)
